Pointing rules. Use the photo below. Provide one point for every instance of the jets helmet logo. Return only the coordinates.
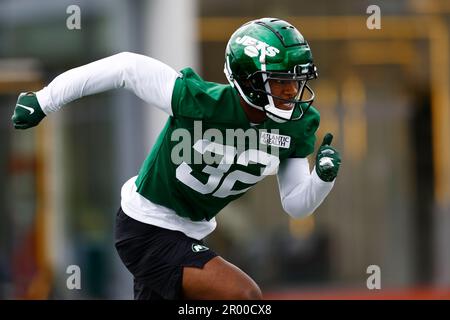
(253, 47)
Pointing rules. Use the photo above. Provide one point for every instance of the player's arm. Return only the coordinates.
(303, 191)
(149, 79)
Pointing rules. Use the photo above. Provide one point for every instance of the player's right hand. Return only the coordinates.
(27, 113)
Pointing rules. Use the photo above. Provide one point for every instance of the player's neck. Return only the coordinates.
(253, 115)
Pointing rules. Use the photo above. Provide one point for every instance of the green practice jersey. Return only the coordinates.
(209, 154)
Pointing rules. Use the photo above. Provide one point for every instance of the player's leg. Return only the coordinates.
(135, 242)
(218, 280)
(167, 264)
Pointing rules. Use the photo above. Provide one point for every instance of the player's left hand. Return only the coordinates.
(328, 160)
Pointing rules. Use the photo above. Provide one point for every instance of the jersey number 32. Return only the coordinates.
(221, 172)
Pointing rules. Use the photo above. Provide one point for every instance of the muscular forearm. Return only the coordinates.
(301, 191)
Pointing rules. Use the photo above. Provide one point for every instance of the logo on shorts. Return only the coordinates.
(198, 247)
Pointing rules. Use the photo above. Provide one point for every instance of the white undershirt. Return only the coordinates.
(301, 191)
(148, 78)
(153, 81)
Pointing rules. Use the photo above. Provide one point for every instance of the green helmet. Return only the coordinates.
(265, 51)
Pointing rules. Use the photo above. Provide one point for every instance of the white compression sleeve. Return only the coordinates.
(148, 78)
(301, 191)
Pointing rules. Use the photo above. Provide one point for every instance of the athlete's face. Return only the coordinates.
(286, 89)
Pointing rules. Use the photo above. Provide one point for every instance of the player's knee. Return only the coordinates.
(252, 292)
(255, 294)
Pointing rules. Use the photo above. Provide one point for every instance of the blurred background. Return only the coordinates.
(384, 93)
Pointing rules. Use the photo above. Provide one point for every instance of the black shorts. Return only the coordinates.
(156, 257)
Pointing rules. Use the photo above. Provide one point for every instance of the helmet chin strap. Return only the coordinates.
(275, 112)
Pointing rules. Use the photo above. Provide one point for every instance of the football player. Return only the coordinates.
(170, 206)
